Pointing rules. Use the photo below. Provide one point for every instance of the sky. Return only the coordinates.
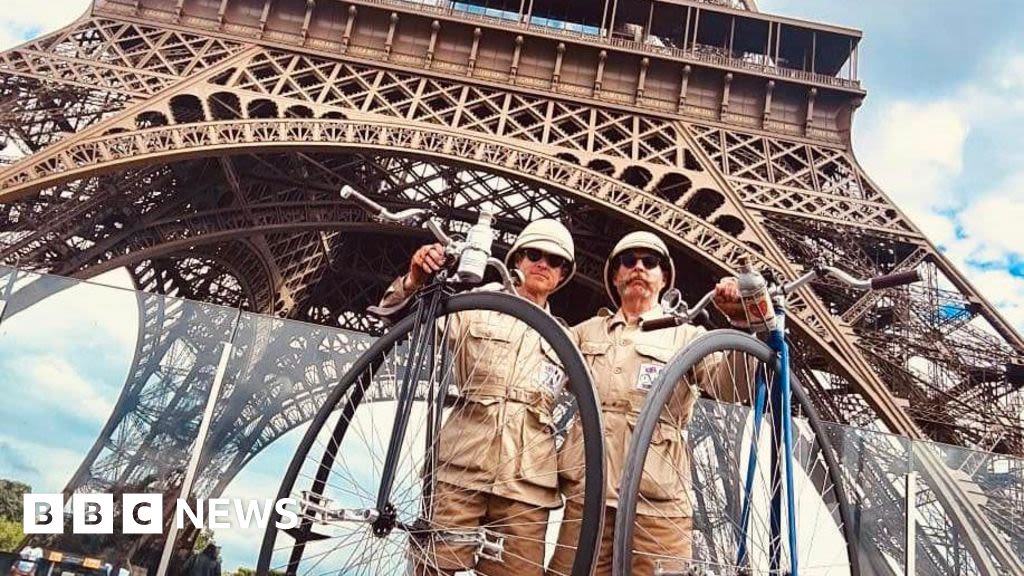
(942, 128)
(61, 387)
(941, 131)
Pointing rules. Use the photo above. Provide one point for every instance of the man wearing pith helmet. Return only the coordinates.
(625, 362)
(497, 464)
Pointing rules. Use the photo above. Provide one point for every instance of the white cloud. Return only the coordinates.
(1004, 290)
(918, 152)
(994, 222)
(10, 37)
(56, 465)
(49, 377)
(94, 312)
(1000, 97)
(23, 19)
(915, 151)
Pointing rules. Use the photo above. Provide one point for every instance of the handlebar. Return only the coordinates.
(455, 249)
(683, 314)
(378, 211)
(895, 279)
(408, 215)
(663, 322)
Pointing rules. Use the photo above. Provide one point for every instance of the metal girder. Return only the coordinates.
(205, 155)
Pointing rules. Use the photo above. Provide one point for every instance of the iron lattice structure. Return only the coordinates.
(200, 143)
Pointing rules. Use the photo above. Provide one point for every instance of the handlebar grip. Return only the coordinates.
(896, 279)
(702, 317)
(365, 203)
(659, 323)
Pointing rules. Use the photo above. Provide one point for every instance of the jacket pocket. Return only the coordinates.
(486, 356)
(596, 355)
(658, 354)
(595, 348)
(666, 470)
(652, 360)
(538, 460)
(468, 437)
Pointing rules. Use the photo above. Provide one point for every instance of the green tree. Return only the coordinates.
(243, 571)
(202, 539)
(11, 501)
(10, 534)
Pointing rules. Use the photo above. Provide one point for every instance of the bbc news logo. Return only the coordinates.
(144, 513)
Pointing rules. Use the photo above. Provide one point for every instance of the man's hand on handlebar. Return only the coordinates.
(426, 261)
(727, 299)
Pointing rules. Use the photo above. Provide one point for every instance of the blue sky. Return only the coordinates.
(942, 131)
(62, 365)
(942, 128)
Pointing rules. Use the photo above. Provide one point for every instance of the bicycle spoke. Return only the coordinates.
(346, 458)
(719, 441)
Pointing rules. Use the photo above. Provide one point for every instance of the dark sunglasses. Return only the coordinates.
(553, 260)
(630, 259)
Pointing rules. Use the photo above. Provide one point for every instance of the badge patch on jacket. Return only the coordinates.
(648, 374)
(550, 377)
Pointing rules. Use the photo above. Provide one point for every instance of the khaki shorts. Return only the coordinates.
(522, 525)
(654, 539)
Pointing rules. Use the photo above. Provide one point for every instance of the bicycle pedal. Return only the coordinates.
(492, 545)
(489, 545)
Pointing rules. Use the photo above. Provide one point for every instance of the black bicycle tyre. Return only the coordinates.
(680, 364)
(575, 370)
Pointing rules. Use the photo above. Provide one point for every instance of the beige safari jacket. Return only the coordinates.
(498, 439)
(625, 362)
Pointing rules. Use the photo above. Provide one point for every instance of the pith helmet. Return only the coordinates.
(547, 235)
(634, 241)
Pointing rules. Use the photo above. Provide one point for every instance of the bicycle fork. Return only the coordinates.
(383, 520)
(780, 406)
(420, 353)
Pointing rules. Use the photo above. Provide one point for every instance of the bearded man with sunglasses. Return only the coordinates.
(625, 362)
(497, 463)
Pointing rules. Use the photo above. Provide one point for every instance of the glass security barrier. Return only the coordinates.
(875, 469)
(967, 503)
(105, 390)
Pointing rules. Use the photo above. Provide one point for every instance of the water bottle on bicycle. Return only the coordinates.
(434, 452)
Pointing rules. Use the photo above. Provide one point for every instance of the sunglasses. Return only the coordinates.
(553, 260)
(650, 261)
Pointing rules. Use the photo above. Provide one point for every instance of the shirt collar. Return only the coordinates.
(619, 318)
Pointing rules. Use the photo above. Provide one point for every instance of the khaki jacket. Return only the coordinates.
(498, 438)
(625, 362)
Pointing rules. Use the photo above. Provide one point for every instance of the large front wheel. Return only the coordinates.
(728, 464)
(470, 473)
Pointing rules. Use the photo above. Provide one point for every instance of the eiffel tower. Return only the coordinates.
(200, 144)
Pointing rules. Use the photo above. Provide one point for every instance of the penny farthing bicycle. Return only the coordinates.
(364, 476)
(763, 477)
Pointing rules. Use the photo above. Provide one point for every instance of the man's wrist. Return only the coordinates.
(407, 283)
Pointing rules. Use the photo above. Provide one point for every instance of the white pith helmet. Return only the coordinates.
(547, 235)
(633, 241)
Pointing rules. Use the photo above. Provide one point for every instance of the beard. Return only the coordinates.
(637, 284)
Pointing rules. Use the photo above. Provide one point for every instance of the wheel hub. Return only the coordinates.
(386, 522)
